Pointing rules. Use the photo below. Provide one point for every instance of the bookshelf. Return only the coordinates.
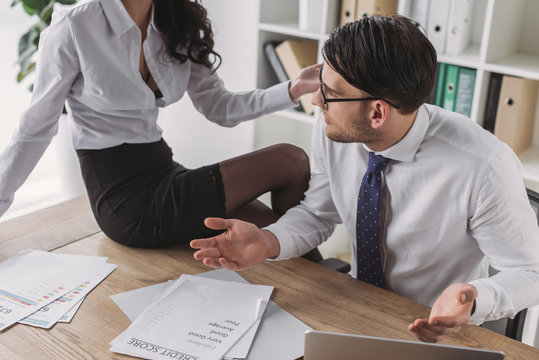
(503, 40)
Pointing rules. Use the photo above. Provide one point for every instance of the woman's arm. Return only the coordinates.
(213, 100)
(57, 68)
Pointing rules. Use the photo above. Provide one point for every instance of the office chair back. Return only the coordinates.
(534, 201)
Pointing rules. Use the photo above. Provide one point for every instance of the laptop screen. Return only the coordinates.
(320, 345)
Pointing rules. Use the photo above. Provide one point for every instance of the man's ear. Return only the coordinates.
(378, 113)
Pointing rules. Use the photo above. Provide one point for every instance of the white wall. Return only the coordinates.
(194, 140)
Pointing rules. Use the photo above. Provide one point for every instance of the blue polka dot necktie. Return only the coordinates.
(369, 265)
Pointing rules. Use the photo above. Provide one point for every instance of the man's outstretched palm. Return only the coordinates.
(450, 312)
(241, 246)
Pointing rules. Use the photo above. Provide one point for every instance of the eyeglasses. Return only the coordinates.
(325, 100)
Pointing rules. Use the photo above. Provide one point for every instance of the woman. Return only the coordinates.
(114, 63)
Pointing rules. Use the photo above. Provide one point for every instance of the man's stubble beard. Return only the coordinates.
(359, 131)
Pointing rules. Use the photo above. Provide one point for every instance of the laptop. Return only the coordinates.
(321, 345)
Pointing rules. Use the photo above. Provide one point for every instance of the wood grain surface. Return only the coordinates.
(322, 298)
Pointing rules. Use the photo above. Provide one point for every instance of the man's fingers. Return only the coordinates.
(444, 321)
(204, 243)
(420, 322)
(207, 253)
(218, 223)
(228, 265)
(442, 330)
(425, 335)
(212, 262)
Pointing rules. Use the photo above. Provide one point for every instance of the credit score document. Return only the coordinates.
(276, 326)
(195, 318)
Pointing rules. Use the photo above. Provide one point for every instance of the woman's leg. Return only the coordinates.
(282, 169)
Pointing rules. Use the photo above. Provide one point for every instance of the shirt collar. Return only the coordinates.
(152, 22)
(119, 18)
(117, 15)
(406, 148)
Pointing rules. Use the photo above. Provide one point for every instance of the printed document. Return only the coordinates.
(277, 326)
(33, 279)
(196, 319)
(48, 315)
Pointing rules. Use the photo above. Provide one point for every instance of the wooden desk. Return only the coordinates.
(320, 297)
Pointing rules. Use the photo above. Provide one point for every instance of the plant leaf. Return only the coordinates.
(28, 9)
(28, 41)
(26, 71)
(35, 5)
(46, 14)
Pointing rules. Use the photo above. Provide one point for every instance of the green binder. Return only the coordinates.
(466, 83)
(440, 81)
(450, 88)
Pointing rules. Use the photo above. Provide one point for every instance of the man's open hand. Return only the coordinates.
(241, 246)
(450, 312)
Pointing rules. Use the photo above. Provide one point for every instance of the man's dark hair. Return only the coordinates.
(387, 57)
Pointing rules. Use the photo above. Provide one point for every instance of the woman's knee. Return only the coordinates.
(294, 162)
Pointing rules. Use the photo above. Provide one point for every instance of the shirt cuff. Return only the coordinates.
(287, 248)
(484, 303)
(281, 95)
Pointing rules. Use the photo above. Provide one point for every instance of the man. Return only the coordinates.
(430, 198)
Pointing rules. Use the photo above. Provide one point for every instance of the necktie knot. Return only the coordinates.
(377, 163)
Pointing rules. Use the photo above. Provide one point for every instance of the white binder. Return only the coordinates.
(460, 26)
(309, 15)
(437, 23)
(419, 12)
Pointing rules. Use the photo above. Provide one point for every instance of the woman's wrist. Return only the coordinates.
(293, 91)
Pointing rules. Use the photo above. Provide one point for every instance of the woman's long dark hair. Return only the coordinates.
(185, 25)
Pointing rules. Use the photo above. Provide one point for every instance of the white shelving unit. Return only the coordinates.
(279, 20)
(504, 40)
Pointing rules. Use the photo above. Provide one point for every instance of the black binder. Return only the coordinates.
(278, 69)
(493, 97)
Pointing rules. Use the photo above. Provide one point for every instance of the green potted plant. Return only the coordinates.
(29, 41)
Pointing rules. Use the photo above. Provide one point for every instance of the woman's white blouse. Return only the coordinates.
(88, 59)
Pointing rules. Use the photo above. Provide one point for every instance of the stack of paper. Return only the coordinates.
(276, 327)
(197, 318)
(40, 288)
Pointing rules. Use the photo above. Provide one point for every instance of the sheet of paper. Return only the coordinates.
(133, 302)
(277, 325)
(68, 316)
(34, 278)
(197, 318)
(240, 350)
(48, 315)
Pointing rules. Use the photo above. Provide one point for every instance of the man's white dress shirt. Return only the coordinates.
(89, 56)
(452, 202)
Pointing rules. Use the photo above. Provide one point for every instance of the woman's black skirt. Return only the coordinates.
(141, 197)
